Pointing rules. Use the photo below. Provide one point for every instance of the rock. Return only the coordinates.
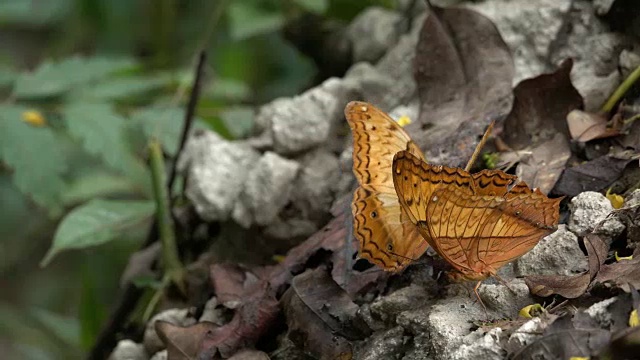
(212, 313)
(303, 122)
(267, 190)
(364, 313)
(372, 32)
(556, 254)
(446, 323)
(529, 28)
(382, 345)
(290, 228)
(589, 210)
(160, 355)
(595, 51)
(629, 61)
(313, 190)
(600, 312)
(526, 334)
(216, 172)
(602, 7)
(480, 345)
(372, 84)
(632, 199)
(180, 317)
(129, 350)
(501, 299)
(407, 298)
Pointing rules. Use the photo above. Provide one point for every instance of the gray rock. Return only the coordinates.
(160, 355)
(600, 312)
(211, 313)
(304, 121)
(382, 345)
(372, 83)
(313, 189)
(480, 345)
(446, 323)
(372, 32)
(590, 210)
(501, 299)
(530, 28)
(526, 334)
(180, 317)
(629, 61)
(375, 324)
(556, 254)
(595, 50)
(290, 228)
(602, 7)
(632, 199)
(129, 350)
(217, 170)
(407, 298)
(267, 190)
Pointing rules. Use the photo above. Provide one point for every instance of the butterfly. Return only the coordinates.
(476, 222)
(387, 237)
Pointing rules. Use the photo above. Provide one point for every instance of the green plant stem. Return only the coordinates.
(171, 261)
(621, 90)
(157, 294)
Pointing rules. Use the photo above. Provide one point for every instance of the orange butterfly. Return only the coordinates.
(477, 223)
(386, 235)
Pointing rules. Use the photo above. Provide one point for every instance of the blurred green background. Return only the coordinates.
(83, 85)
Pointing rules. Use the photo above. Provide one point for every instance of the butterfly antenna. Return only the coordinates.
(480, 145)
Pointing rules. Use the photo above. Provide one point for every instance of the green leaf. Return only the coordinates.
(102, 133)
(315, 6)
(65, 328)
(228, 89)
(35, 155)
(20, 12)
(238, 120)
(165, 124)
(120, 88)
(97, 222)
(247, 20)
(53, 79)
(96, 184)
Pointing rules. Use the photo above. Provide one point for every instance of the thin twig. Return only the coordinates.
(479, 147)
(126, 302)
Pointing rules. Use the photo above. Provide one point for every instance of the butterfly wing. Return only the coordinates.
(479, 226)
(386, 235)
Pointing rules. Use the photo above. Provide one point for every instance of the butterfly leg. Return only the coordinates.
(475, 290)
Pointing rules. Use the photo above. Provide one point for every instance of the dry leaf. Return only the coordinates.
(463, 70)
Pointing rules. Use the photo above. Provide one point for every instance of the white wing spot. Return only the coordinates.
(434, 198)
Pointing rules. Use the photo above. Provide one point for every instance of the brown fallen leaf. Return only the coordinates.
(571, 287)
(252, 318)
(543, 166)
(250, 355)
(594, 175)
(320, 316)
(584, 126)
(540, 107)
(183, 343)
(622, 274)
(231, 283)
(463, 70)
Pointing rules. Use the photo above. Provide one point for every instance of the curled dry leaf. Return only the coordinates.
(571, 286)
(543, 166)
(540, 107)
(463, 70)
(594, 175)
(584, 126)
(320, 315)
